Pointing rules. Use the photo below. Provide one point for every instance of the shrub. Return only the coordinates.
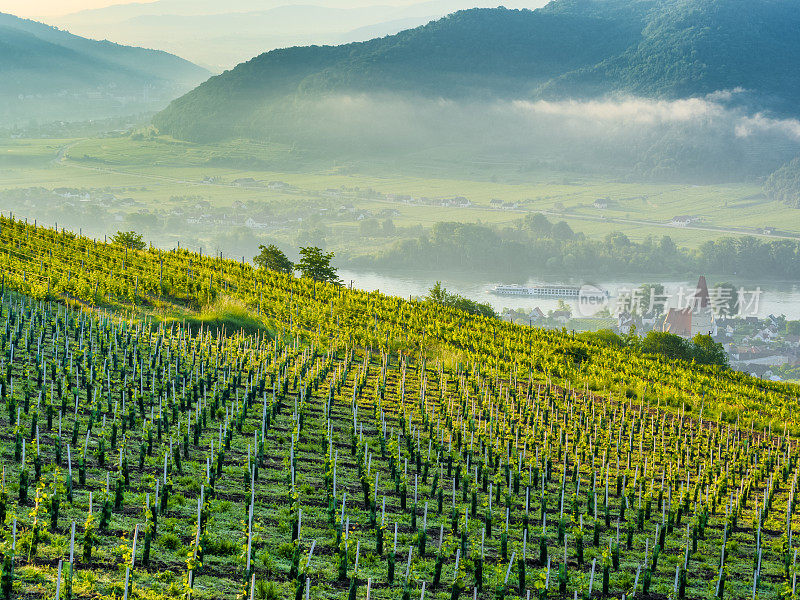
(169, 541)
(266, 590)
(222, 547)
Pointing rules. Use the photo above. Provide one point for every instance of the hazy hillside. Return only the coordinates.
(480, 52)
(700, 90)
(51, 74)
(784, 184)
(222, 35)
(691, 47)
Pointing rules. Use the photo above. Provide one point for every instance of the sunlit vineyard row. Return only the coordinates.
(347, 444)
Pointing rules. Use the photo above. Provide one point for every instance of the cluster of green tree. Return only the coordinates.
(439, 295)
(129, 239)
(787, 371)
(313, 264)
(372, 228)
(702, 349)
(535, 245)
(747, 256)
(784, 184)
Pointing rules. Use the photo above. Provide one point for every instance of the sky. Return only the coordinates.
(50, 8)
(55, 8)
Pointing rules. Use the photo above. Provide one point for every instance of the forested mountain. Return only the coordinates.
(666, 49)
(784, 184)
(50, 73)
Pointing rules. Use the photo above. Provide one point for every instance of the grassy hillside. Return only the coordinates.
(356, 441)
(483, 51)
(690, 48)
(784, 184)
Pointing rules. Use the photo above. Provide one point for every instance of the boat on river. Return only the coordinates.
(550, 291)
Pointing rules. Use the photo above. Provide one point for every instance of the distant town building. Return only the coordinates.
(253, 224)
(682, 220)
(696, 318)
(536, 314)
(245, 182)
(562, 316)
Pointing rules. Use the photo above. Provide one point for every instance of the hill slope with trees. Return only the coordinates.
(665, 49)
(43, 65)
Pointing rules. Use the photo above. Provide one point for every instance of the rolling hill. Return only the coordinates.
(51, 74)
(664, 49)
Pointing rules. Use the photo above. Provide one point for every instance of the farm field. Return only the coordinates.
(157, 176)
(212, 431)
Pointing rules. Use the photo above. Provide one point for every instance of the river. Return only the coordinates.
(777, 298)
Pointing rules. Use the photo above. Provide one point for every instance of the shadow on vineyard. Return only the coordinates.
(301, 440)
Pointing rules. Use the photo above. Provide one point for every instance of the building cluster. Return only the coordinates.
(764, 347)
(759, 346)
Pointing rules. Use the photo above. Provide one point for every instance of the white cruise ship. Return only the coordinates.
(548, 291)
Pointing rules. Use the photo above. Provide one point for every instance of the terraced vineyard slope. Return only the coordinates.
(344, 444)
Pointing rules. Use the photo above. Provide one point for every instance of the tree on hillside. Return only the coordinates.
(617, 240)
(669, 345)
(702, 348)
(538, 224)
(793, 327)
(129, 239)
(708, 352)
(369, 228)
(316, 264)
(562, 231)
(272, 258)
(439, 295)
(667, 246)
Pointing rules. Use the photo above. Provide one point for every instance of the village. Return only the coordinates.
(765, 347)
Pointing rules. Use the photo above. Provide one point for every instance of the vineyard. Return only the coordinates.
(318, 442)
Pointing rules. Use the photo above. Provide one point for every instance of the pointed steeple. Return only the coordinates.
(701, 298)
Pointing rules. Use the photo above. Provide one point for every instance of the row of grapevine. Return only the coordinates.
(146, 458)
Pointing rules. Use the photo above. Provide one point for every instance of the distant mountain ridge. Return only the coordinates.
(221, 35)
(568, 49)
(50, 73)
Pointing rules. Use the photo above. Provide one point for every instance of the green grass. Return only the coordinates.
(229, 315)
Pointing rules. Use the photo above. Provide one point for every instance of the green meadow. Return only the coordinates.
(161, 175)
